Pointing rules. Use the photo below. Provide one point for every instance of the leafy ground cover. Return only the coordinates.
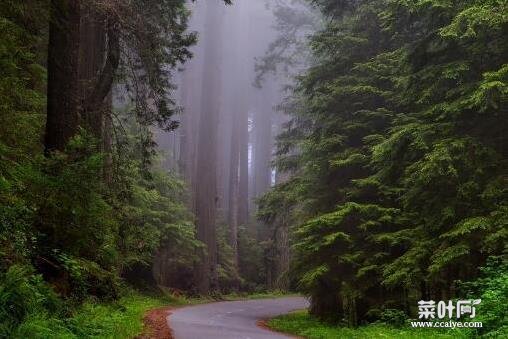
(302, 324)
(121, 319)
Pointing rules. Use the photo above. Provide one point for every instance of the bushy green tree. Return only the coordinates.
(398, 149)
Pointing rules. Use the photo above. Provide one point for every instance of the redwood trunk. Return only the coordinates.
(206, 277)
(92, 55)
(63, 74)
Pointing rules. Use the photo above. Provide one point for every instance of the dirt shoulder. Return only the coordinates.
(156, 324)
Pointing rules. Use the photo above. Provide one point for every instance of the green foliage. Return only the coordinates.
(72, 212)
(302, 324)
(67, 233)
(153, 215)
(150, 207)
(22, 294)
(22, 84)
(229, 279)
(492, 288)
(119, 320)
(58, 216)
(250, 261)
(393, 317)
(122, 319)
(397, 151)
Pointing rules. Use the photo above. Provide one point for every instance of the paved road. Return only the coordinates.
(231, 319)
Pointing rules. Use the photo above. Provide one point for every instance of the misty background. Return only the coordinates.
(231, 95)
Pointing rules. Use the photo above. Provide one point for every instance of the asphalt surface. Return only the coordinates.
(231, 319)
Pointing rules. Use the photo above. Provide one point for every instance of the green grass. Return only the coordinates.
(122, 319)
(259, 295)
(302, 324)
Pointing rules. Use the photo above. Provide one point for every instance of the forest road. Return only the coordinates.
(231, 319)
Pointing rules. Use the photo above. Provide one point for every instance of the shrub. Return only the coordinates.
(492, 288)
(23, 293)
(393, 317)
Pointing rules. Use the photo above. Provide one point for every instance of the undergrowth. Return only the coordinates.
(302, 324)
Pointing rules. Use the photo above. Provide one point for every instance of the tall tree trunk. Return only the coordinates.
(63, 74)
(263, 113)
(190, 93)
(243, 194)
(234, 185)
(99, 58)
(238, 101)
(92, 55)
(206, 186)
(263, 143)
(188, 132)
(224, 152)
(244, 87)
(263, 140)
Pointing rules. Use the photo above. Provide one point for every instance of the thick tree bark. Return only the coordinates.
(63, 110)
(92, 55)
(78, 84)
(99, 59)
(206, 277)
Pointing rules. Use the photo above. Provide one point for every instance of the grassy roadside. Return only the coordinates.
(258, 295)
(120, 319)
(300, 323)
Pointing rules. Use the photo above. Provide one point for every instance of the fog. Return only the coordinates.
(220, 77)
(231, 94)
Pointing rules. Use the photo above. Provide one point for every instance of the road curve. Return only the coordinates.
(231, 319)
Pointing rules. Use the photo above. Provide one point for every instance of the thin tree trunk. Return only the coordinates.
(234, 189)
(243, 143)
